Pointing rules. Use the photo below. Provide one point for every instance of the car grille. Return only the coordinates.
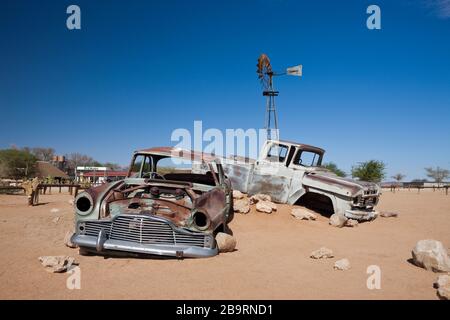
(143, 230)
(369, 201)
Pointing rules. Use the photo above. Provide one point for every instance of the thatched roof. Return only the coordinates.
(45, 169)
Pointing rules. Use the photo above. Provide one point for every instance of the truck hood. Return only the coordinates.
(328, 181)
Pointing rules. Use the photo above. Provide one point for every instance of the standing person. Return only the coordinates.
(35, 186)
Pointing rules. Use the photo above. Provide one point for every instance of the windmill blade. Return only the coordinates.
(264, 69)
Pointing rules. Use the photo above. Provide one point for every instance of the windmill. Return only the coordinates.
(265, 75)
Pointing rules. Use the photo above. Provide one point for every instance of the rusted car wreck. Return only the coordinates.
(176, 213)
(292, 173)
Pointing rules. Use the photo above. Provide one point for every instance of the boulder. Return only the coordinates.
(67, 239)
(342, 264)
(337, 220)
(303, 214)
(241, 206)
(57, 264)
(225, 242)
(265, 206)
(237, 194)
(322, 253)
(388, 214)
(259, 197)
(431, 255)
(351, 223)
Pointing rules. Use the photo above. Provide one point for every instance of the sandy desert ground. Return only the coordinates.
(271, 262)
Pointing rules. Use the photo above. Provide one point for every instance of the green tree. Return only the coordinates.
(372, 170)
(112, 166)
(438, 174)
(17, 164)
(334, 168)
(398, 177)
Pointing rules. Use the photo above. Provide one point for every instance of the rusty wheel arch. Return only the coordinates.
(317, 201)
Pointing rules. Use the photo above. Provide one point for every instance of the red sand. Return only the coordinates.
(272, 260)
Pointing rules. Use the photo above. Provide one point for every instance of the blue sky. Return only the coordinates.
(137, 70)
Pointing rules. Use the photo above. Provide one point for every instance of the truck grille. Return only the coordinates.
(369, 201)
(144, 230)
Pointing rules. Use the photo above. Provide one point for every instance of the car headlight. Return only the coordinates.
(84, 204)
(201, 220)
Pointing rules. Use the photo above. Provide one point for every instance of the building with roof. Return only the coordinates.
(45, 170)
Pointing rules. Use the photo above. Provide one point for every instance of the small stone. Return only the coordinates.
(70, 202)
(302, 213)
(342, 264)
(322, 253)
(337, 220)
(431, 255)
(442, 281)
(444, 293)
(259, 197)
(351, 223)
(241, 206)
(237, 194)
(68, 239)
(225, 242)
(56, 219)
(388, 214)
(57, 264)
(54, 210)
(265, 206)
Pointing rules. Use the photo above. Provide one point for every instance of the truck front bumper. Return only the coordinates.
(361, 215)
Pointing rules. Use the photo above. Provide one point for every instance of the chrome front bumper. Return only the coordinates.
(361, 215)
(179, 251)
(143, 234)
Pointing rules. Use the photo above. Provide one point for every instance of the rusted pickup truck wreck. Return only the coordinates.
(156, 210)
(291, 173)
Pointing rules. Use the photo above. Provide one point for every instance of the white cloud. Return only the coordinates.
(440, 7)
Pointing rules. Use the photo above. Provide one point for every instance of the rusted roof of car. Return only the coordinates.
(306, 146)
(180, 153)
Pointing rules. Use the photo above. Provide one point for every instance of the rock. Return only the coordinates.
(70, 202)
(237, 194)
(67, 239)
(442, 281)
(337, 220)
(225, 242)
(241, 206)
(57, 263)
(303, 214)
(259, 197)
(265, 206)
(56, 219)
(342, 264)
(444, 292)
(388, 214)
(322, 253)
(431, 255)
(351, 223)
(54, 210)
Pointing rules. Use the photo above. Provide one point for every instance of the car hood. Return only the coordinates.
(328, 181)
